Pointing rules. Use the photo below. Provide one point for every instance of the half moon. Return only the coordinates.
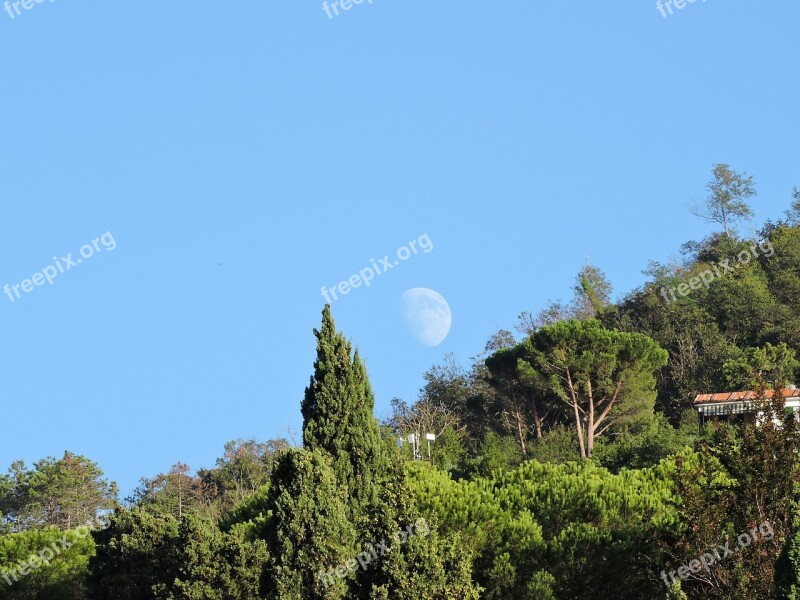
(426, 315)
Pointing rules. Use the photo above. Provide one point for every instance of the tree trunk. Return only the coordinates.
(521, 433)
(579, 428)
(590, 428)
(578, 424)
(537, 421)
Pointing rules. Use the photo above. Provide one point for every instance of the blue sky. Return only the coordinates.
(523, 138)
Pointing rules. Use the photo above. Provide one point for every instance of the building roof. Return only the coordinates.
(723, 397)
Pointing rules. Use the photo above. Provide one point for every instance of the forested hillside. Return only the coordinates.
(567, 461)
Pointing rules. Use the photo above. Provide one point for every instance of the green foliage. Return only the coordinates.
(64, 493)
(59, 560)
(428, 566)
(697, 347)
(242, 470)
(251, 515)
(210, 493)
(540, 587)
(559, 445)
(144, 555)
(495, 452)
(747, 308)
(793, 214)
(783, 267)
(676, 593)
(448, 451)
(309, 533)
(338, 419)
(14, 497)
(759, 368)
(591, 297)
(574, 528)
(787, 575)
(592, 292)
(264, 523)
(175, 493)
(594, 370)
(726, 203)
(738, 479)
(449, 447)
(743, 304)
(441, 410)
(656, 440)
(446, 384)
(137, 557)
(216, 566)
(524, 410)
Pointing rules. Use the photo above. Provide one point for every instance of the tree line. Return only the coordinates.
(568, 461)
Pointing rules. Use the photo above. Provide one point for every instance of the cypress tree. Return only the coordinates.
(338, 417)
(309, 534)
(339, 421)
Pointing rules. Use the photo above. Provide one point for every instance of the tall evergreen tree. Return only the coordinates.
(338, 413)
(338, 417)
(309, 533)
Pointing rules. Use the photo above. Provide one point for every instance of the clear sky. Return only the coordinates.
(244, 154)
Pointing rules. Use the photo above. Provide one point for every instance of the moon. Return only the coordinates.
(426, 315)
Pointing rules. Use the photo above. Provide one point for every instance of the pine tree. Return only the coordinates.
(65, 492)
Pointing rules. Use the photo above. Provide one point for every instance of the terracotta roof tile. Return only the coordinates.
(736, 396)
